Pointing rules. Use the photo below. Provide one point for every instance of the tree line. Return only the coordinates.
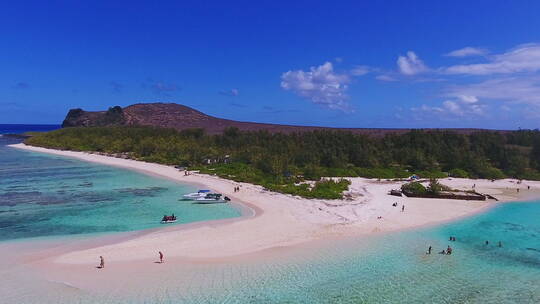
(283, 159)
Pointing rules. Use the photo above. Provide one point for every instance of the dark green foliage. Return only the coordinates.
(458, 173)
(326, 189)
(434, 187)
(278, 161)
(414, 188)
(431, 174)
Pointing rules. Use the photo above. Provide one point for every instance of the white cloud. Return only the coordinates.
(320, 84)
(467, 98)
(525, 90)
(467, 51)
(360, 70)
(523, 58)
(411, 64)
(385, 78)
(452, 109)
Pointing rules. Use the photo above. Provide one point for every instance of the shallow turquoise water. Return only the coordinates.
(391, 268)
(395, 269)
(45, 195)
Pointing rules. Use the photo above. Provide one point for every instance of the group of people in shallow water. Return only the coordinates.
(449, 249)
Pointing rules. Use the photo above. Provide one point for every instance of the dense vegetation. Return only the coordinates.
(282, 161)
(434, 188)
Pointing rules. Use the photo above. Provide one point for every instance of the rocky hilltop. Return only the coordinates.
(171, 115)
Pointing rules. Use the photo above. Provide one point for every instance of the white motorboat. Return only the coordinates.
(212, 198)
(195, 195)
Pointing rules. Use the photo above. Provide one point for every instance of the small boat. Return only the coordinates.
(168, 219)
(194, 195)
(211, 198)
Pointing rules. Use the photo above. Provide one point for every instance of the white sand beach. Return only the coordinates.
(277, 220)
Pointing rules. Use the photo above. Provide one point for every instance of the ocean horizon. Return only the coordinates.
(22, 128)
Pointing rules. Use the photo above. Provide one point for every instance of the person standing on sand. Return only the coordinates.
(403, 208)
(101, 262)
(160, 257)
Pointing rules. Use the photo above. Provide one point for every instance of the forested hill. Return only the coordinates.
(180, 117)
(278, 160)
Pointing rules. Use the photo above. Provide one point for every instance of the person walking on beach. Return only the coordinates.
(160, 256)
(429, 250)
(101, 262)
(402, 208)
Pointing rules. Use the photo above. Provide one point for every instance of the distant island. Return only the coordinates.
(292, 159)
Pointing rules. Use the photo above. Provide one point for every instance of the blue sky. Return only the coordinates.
(342, 64)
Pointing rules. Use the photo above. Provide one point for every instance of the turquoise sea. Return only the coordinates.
(387, 268)
(391, 268)
(45, 195)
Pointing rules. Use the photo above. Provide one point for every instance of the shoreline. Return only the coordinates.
(274, 220)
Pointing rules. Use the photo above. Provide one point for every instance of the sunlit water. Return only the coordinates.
(45, 195)
(391, 268)
(381, 269)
